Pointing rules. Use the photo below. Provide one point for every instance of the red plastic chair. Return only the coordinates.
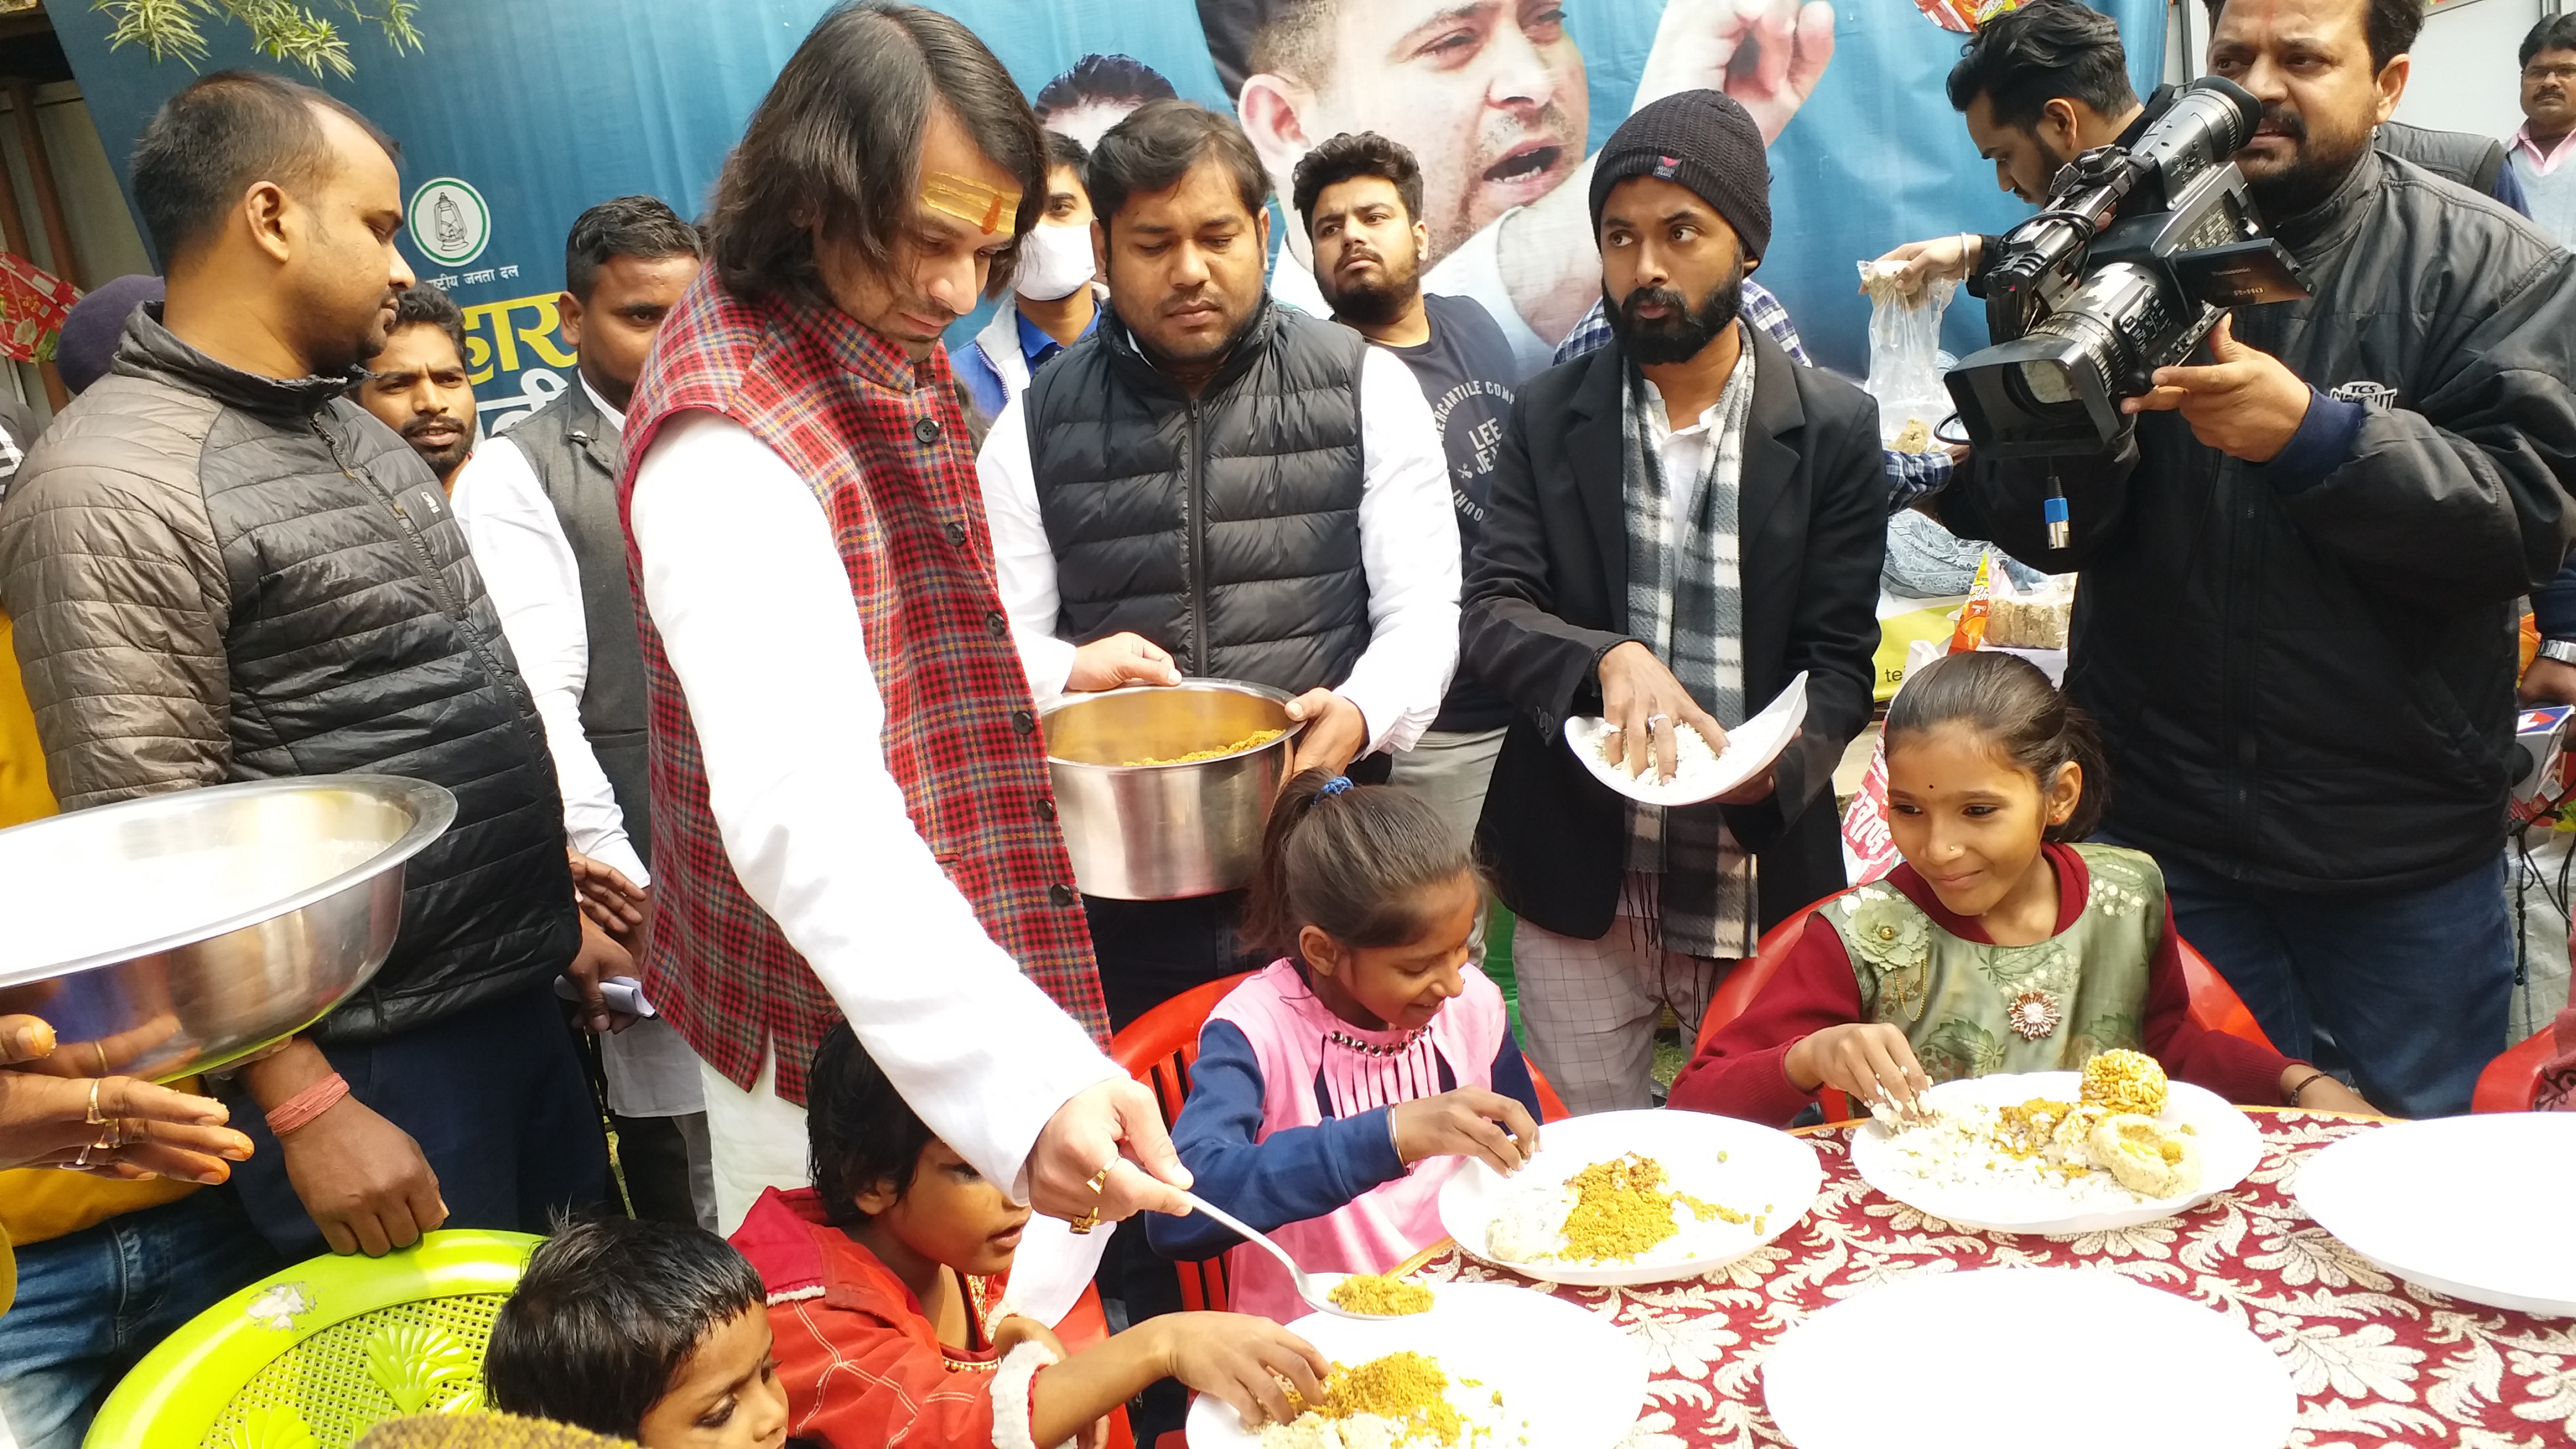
(2512, 1081)
(1737, 991)
(1158, 1049)
(2215, 1006)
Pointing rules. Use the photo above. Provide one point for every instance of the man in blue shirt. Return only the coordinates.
(1054, 302)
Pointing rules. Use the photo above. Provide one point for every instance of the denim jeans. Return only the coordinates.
(2411, 987)
(92, 1302)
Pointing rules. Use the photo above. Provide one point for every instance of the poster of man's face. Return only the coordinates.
(1493, 99)
(1488, 94)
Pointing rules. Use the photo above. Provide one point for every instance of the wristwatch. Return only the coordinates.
(2562, 651)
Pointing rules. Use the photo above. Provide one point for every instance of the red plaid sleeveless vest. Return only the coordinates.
(884, 448)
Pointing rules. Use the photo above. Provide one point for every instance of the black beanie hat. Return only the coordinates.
(1704, 140)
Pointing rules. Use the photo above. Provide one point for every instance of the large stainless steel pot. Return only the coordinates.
(175, 933)
(1165, 832)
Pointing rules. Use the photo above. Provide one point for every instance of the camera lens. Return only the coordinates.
(2048, 381)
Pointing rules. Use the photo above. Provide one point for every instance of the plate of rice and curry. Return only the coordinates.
(1483, 1366)
(1634, 1197)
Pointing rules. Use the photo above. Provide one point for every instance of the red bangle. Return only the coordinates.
(300, 1109)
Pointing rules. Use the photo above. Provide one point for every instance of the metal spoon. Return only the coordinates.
(1315, 1288)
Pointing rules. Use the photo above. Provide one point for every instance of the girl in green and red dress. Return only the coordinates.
(1999, 945)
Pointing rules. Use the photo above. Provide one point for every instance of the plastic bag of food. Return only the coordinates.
(2035, 617)
(1905, 360)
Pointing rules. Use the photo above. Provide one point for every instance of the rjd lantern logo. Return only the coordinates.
(448, 221)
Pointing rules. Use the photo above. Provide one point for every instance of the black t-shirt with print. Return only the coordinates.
(1467, 373)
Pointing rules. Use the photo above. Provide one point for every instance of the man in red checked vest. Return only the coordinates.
(851, 811)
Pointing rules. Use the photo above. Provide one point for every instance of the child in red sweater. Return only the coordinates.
(1997, 946)
(884, 1277)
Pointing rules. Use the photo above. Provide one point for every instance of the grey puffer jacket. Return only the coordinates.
(217, 576)
(2304, 670)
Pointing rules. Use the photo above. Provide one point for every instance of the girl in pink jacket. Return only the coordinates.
(1337, 1090)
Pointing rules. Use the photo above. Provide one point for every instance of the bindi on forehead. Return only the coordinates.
(989, 209)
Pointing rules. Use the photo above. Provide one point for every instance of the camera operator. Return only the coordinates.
(2038, 87)
(2042, 85)
(2296, 617)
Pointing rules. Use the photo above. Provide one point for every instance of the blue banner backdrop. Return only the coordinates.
(523, 112)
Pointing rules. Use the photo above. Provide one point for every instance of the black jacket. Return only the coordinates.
(1225, 527)
(2306, 682)
(1548, 596)
(2473, 161)
(217, 577)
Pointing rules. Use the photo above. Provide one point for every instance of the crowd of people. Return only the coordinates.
(733, 657)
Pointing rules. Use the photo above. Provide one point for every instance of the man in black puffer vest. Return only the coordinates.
(222, 569)
(1212, 485)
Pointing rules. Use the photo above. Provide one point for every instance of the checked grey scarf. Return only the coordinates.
(1686, 603)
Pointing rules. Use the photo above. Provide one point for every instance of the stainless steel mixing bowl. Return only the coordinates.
(171, 934)
(1165, 832)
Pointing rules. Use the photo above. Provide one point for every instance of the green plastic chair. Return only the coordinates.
(312, 1357)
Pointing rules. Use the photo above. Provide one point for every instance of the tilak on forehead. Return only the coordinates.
(986, 208)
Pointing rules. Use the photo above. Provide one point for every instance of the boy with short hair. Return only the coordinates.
(885, 1277)
(649, 1331)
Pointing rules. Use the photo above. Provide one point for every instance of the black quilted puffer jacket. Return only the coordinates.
(217, 576)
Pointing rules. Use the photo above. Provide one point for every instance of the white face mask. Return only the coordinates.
(1054, 260)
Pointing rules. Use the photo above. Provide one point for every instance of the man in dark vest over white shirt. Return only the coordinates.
(539, 508)
(1212, 485)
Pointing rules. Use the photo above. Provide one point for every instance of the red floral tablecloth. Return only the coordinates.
(2376, 1360)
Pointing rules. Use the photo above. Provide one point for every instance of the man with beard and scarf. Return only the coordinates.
(1681, 523)
(416, 385)
(1215, 485)
(2301, 571)
(1360, 199)
(224, 570)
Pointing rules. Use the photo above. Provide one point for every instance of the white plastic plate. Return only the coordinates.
(2025, 1358)
(2230, 1147)
(1765, 1172)
(2475, 1207)
(1750, 749)
(1575, 1379)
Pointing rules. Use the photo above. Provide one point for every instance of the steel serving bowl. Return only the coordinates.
(1166, 832)
(175, 933)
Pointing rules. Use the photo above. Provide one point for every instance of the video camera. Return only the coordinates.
(2123, 272)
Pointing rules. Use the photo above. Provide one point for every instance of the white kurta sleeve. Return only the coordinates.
(528, 568)
(1409, 549)
(1023, 564)
(755, 612)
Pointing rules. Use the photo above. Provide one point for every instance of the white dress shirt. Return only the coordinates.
(1408, 549)
(526, 560)
(519, 545)
(1683, 453)
(756, 615)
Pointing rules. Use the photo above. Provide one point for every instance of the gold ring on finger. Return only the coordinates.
(1085, 1223)
(95, 1120)
(101, 1049)
(1100, 1180)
